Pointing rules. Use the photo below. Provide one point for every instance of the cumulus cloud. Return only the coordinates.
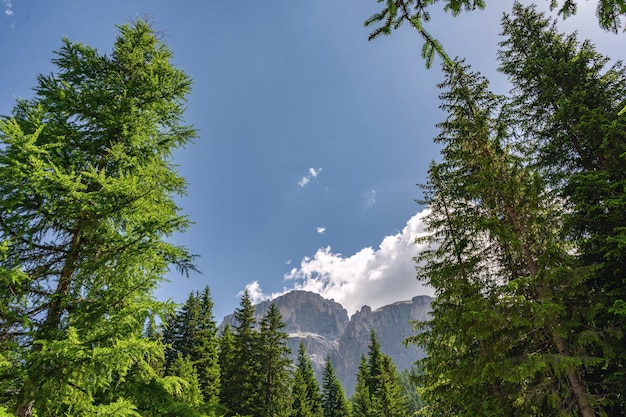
(321, 230)
(373, 277)
(312, 175)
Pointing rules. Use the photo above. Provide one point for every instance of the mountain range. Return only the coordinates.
(325, 328)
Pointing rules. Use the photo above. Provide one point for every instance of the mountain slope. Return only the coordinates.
(324, 327)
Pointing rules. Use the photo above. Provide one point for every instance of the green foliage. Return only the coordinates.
(519, 242)
(275, 365)
(241, 368)
(306, 400)
(417, 13)
(334, 402)
(192, 332)
(87, 190)
(378, 390)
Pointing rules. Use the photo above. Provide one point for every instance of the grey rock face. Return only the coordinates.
(324, 327)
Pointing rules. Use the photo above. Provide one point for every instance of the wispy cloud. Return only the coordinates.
(373, 277)
(8, 7)
(321, 230)
(370, 198)
(312, 175)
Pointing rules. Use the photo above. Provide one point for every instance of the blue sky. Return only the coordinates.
(311, 139)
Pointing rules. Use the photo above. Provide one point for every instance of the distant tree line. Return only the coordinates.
(247, 370)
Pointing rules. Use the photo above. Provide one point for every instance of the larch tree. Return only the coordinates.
(87, 190)
(417, 14)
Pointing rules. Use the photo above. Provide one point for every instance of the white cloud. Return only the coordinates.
(373, 277)
(8, 7)
(313, 173)
(321, 230)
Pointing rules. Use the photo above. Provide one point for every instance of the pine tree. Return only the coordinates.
(275, 365)
(305, 393)
(87, 193)
(334, 401)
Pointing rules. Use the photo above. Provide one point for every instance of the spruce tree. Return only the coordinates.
(569, 103)
(275, 365)
(192, 332)
(241, 377)
(361, 399)
(514, 321)
(87, 192)
(334, 403)
(305, 393)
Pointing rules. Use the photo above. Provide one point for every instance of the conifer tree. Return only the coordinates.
(514, 322)
(192, 332)
(228, 370)
(334, 401)
(87, 203)
(241, 378)
(190, 393)
(275, 365)
(305, 393)
(378, 391)
(569, 104)
(361, 399)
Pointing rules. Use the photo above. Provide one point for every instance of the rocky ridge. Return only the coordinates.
(324, 327)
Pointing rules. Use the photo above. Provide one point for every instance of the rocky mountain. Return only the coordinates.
(325, 328)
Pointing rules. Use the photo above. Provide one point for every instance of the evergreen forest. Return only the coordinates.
(526, 238)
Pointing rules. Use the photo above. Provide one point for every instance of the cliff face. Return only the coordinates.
(392, 325)
(324, 327)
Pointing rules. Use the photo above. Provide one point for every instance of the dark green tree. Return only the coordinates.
(241, 378)
(227, 362)
(525, 315)
(87, 193)
(192, 332)
(334, 402)
(275, 365)
(569, 101)
(361, 399)
(306, 397)
(378, 391)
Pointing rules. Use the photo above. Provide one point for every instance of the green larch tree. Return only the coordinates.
(87, 190)
(334, 402)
